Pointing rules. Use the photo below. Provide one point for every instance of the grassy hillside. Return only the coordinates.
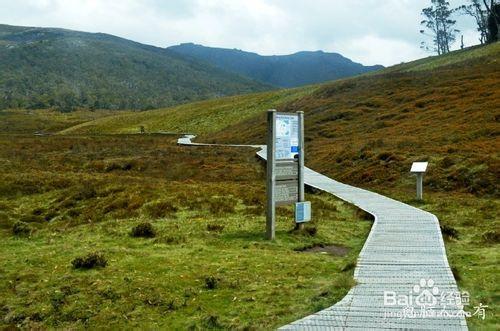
(292, 70)
(368, 130)
(203, 117)
(45, 68)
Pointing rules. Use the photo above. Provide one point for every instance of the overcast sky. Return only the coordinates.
(367, 31)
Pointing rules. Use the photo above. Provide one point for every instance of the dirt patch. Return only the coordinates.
(326, 249)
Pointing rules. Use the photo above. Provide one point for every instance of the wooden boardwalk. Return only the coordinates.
(404, 258)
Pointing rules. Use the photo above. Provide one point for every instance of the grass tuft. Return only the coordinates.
(449, 232)
(215, 227)
(90, 261)
(144, 230)
(21, 229)
(211, 282)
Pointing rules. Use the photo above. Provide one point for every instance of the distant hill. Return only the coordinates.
(367, 130)
(294, 70)
(47, 67)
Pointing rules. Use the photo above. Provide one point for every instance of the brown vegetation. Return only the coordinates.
(368, 130)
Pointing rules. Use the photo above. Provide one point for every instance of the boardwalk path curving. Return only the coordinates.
(404, 254)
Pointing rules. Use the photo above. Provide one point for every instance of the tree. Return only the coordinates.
(493, 8)
(478, 10)
(438, 20)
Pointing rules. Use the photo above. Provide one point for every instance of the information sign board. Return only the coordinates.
(287, 170)
(287, 191)
(287, 136)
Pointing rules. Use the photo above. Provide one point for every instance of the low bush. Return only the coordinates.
(21, 229)
(144, 230)
(449, 232)
(215, 227)
(90, 261)
(211, 282)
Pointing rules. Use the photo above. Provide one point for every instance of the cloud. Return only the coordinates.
(369, 31)
(372, 49)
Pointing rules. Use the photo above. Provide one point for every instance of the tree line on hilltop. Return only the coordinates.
(439, 22)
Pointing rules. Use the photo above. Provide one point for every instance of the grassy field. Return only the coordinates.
(201, 117)
(367, 131)
(208, 265)
(22, 121)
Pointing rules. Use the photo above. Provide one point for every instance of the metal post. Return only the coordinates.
(420, 177)
(271, 176)
(301, 161)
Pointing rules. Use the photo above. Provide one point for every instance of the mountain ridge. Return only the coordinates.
(64, 69)
(293, 70)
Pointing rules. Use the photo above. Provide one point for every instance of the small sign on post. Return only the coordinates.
(302, 212)
(285, 166)
(419, 168)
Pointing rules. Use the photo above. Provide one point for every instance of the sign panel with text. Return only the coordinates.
(287, 136)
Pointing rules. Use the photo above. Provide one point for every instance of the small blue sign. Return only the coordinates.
(302, 212)
(295, 149)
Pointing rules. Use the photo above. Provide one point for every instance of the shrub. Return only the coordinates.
(144, 230)
(215, 227)
(90, 261)
(449, 232)
(211, 282)
(21, 229)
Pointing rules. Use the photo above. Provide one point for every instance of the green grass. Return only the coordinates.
(85, 194)
(154, 283)
(488, 54)
(201, 117)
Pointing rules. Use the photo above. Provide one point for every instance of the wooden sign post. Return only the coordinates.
(285, 165)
